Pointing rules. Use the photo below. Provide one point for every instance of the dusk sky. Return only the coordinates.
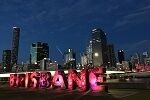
(68, 24)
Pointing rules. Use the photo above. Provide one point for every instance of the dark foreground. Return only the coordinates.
(49, 94)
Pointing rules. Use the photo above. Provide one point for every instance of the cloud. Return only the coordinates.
(40, 16)
(145, 8)
(112, 8)
(131, 18)
(120, 23)
(133, 15)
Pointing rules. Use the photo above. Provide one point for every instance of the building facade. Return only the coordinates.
(70, 59)
(89, 54)
(99, 47)
(6, 61)
(111, 56)
(121, 56)
(15, 45)
(84, 60)
(45, 64)
(38, 52)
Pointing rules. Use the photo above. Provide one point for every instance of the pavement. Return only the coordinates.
(7, 93)
(49, 94)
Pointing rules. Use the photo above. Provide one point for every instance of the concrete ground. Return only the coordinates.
(49, 94)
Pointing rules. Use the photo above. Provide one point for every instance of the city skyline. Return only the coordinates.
(75, 49)
(126, 27)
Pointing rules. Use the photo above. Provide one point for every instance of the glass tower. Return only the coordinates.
(99, 47)
(70, 59)
(6, 60)
(15, 45)
(38, 52)
(111, 56)
(121, 56)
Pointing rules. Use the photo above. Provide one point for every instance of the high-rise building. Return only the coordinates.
(99, 47)
(121, 56)
(6, 61)
(45, 63)
(135, 59)
(111, 56)
(70, 59)
(89, 53)
(84, 60)
(143, 57)
(38, 52)
(15, 45)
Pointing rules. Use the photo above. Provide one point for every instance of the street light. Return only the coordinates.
(96, 54)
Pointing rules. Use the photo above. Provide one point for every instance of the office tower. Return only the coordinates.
(15, 45)
(145, 54)
(121, 56)
(6, 61)
(135, 59)
(99, 47)
(70, 59)
(144, 57)
(84, 60)
(44, 64)
(38, 52)
(111, 56)
(89, 54)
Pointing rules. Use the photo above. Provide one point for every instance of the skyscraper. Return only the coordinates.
(89, 53)
(99, 47)
(70, 59)
(6, 60)
(144, 56)
(121, 56)
(38, 52)
(45, 63)
(84, 60)
(111, 56)
(15, 45)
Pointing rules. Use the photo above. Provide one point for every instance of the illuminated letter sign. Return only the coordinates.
(96, 79)
(34, 79)
(80, 80)
(45, 80)
(27, 80)
(20, 81)
(58, 80)
(12, 80)
(85, 79)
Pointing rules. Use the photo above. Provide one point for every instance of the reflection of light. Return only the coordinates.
(83, 83)
(120, 50)
(4, 75)
(96, 54)
(69, 50)
(15, 27)
(94, 29)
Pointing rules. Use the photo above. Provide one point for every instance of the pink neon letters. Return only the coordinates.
(86, 79)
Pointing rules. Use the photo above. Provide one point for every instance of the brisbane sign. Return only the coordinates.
(84, 80)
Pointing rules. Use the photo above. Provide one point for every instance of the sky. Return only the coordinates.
(67, 24)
